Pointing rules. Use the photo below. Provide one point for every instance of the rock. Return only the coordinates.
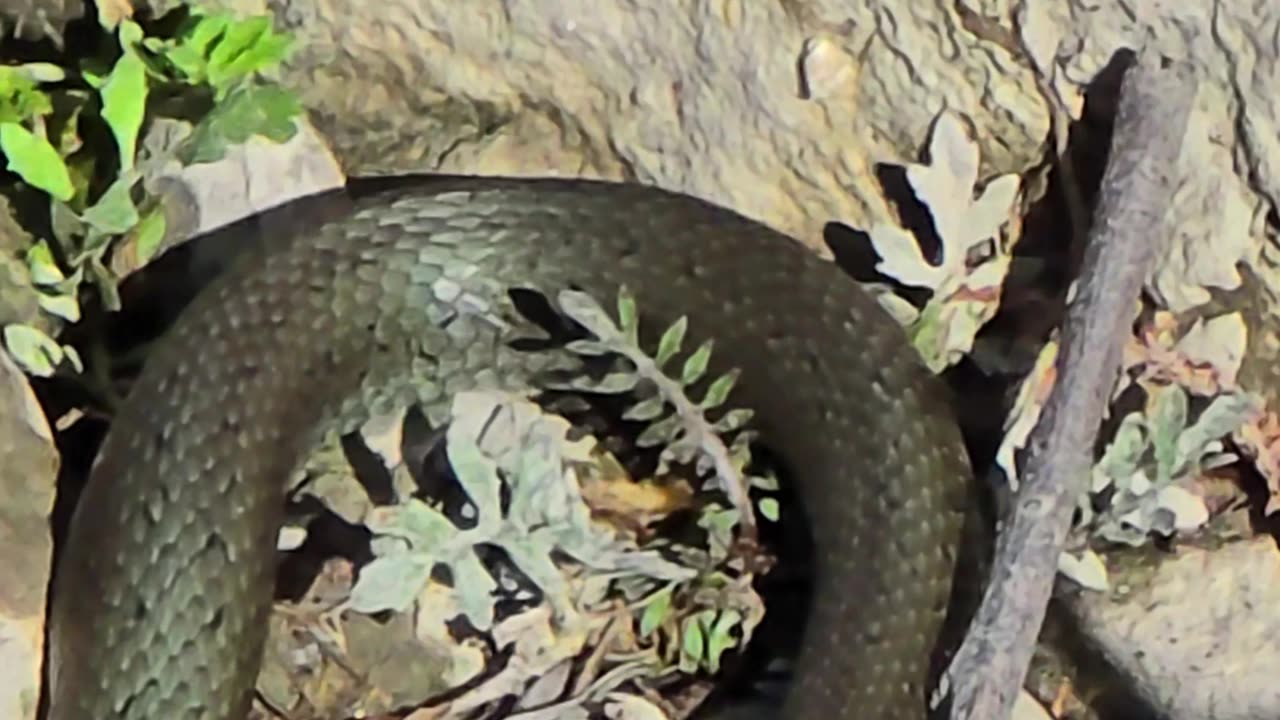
(28, 474)
(1194, 631)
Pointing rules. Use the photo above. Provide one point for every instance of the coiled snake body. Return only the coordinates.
(163, 590)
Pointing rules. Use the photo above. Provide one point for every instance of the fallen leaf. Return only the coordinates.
(1027, 707)
(1189, 510)
(614, 496)
(1033, 393)
(1088, 570)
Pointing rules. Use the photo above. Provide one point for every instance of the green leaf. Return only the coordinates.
(660, 432)
(611, 384)
(92, 79)
(390, 582)
(188, 61)
(65, 135)
(768, 482)
(671, 341)
(770, 509)
(240, 35)
(124, 102)
(130, 34)
(650, 408)
(733, 420)
(188, 52)
(66, 226)
(114, 213)
(692, 645)
(44, 269)
(628, 316)
(39, 72)
(1167, 419)
(1223, 416)
(589, 348)
(740, 456)
(33, 158)
(93, 244)
(719, 390)
(73, 357)
(588, 313)
(37, 353)
(656, 611)
(151, 230)
(719, 523)
(64, 306)
(267, 111)
(696, 365)
(475, 590)
(1123, 455)
(205, 31)
(20, 97)
(682, 451)
(477, 473)
(247, 46)
(105, 282)
(420, 525)
(720, 637)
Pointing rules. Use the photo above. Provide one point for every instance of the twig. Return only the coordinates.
(1128, 231)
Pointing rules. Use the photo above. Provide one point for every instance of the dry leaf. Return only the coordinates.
(112, 12)
(966, 288)
(1189, 510)
(1033, 393)
(1027, 707)
(1088, 570)
(1205, 360)
(613, 496)
(622, 706)
(1261, 441)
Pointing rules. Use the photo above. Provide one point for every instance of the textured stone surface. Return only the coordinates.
(704, 98)
(28, 472)
(28, 468)
(1195, 631)
(253, 177)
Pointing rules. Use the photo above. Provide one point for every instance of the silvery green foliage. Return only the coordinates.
(679, 425)
(1151, 458)
(676, 422)
(34, 350)
(496, 440)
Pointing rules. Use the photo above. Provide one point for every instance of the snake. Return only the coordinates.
(164, 584)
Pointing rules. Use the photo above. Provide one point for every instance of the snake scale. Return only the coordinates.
(162, 593)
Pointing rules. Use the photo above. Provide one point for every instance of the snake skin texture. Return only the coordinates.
(162, 595)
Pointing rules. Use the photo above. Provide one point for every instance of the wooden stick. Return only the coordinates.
(1128, 232)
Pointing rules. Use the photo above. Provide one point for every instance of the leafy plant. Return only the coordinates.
(494, 442)
(675, 421)
(965, 293)
(679, 425)
(501, 446)
(1152, 456)
(95, 200)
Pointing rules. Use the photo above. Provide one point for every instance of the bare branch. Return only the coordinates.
(1128, 231)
